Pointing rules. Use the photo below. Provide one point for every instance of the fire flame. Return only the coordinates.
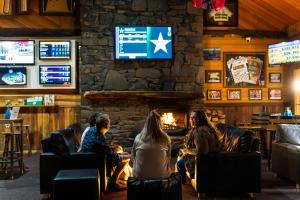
(168, 120)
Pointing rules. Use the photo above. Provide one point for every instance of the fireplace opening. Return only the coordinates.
(174, 122)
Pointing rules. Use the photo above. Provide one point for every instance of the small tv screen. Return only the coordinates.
(55, 74)
(13, 76)
(143, 42)
(284, 52)
(55, 49)
(17, 52)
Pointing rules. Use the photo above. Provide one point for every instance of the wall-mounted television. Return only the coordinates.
(13, 76)
(284, 52)
(55, 74)
(55, 50)
(143, 42)
(17, 52)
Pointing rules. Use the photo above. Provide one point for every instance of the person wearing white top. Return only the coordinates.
(151, 151)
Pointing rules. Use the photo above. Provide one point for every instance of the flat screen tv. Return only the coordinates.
(55, 74)
(13, 76)
(284, 52)
(143, 42)
(16, 52)
(55, 50)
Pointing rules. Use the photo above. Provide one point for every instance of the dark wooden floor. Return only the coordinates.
(273, 188)
(27, 186)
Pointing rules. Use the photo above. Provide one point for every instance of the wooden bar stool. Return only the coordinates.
(13, 145)
(27, 137)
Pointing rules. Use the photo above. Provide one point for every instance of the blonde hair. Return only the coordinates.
(152, 131)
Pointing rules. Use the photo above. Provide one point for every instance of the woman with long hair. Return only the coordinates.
(201, 139)
(151, 151)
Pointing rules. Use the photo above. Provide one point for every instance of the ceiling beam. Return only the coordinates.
(247, 33)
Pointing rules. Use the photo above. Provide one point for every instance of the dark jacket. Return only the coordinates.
(95, 142)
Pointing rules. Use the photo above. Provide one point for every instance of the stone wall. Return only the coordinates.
(99, 71)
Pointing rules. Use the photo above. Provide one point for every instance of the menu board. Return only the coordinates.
(284, 52)
(55, 74)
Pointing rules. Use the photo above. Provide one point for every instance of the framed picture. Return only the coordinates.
(6, 7)
(214, 95)
(23, 7)
(228, 16)
(212, 54)
(233, 94)
(212, 76)
(275, 94)
(57, 7)
(255, 94)
(244, 69)
(274, 77)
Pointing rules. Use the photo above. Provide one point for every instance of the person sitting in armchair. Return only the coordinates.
(151, 151)
(94, 141)
(201, 139)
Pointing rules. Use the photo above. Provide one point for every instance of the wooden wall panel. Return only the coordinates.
(35, 21)
(45, 119)
(241, 110)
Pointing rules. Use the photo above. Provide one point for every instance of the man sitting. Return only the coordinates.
(94, 141)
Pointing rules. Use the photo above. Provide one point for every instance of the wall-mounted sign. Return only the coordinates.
(227, 16)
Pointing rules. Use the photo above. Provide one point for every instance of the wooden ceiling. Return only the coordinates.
(270, 15)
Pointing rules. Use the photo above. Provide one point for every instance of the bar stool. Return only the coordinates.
(27, 137)
(13, 146)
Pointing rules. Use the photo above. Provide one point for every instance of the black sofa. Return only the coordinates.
(50, 164)
(237, 171)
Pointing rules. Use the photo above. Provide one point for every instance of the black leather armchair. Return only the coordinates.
(228, 172)
(50, 164)
(236, 170)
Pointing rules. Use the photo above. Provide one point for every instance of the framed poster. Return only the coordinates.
(274, 77)
(57, 7)
(233, 94)
(212, 54)
(275, 94)
(228, 16)
(6, 7)
(23, 7)
(212, 76)
(244, 69)
(214, 94)
(255, 94)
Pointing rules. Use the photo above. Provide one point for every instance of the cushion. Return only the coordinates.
(236, 140)
(289, 133)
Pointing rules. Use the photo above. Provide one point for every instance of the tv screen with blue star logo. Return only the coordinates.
(143, 42)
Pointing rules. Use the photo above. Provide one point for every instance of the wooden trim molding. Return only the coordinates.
(95, 95)
(246, 33)
(25, 32)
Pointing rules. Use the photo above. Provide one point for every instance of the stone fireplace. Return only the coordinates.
(127, 90)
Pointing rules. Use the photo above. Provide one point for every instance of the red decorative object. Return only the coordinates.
(197, 3)
(218, 4)
(209, 4)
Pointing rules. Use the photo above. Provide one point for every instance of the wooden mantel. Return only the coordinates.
(96, 95)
